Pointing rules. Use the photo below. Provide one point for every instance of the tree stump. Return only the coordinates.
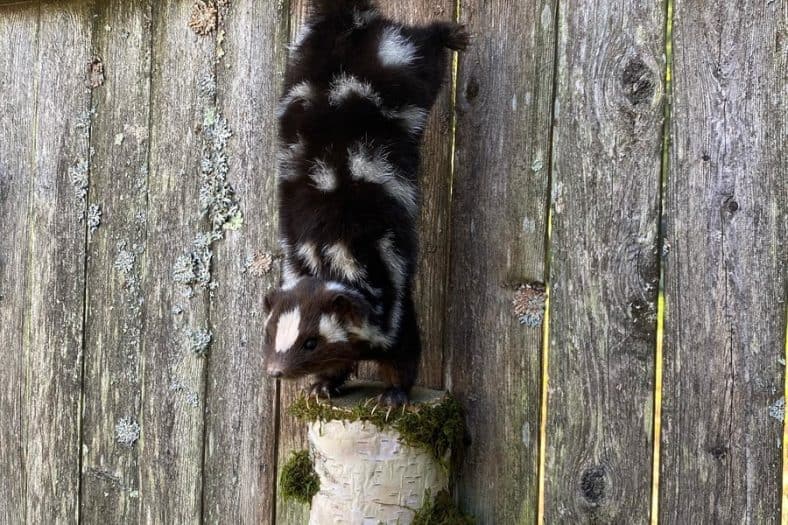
(373, 468)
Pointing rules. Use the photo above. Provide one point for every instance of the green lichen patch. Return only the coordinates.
(441, 511)
(299, 480)
(436, 427)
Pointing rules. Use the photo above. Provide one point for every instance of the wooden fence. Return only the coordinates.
(560, 155)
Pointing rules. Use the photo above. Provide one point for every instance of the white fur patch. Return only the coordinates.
(371, 334)
(287, 159)
(289, 276)
(375, 168)
(331, 330)
(324, 176)
(343, 263)
(395, 48)
(303, 32)
(413, 118)
(307, 252)
(302, 92)
(344, 86)
(397, 267)
(333, 286)
(287, 330)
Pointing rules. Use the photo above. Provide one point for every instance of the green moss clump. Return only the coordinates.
(299, 480)
(437, 428)
(441, 511)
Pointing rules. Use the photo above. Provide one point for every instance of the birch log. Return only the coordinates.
(367, 474)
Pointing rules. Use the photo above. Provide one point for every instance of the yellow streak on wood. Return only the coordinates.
(543, 401)
(657, 411)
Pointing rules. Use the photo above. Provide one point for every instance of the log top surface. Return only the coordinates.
(356, 393)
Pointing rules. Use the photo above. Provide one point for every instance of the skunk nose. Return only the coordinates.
(274, 373)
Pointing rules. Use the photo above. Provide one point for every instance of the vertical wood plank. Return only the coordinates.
(176, 315)
(435, 181)
(240, 455)
(18, 56)
(56, 243)
(292, 432)
(604, 261)
(115, 302)
(725, 269)
(497, 238)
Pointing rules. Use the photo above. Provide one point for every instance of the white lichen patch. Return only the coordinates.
(124, 261)
(127, 432)
(119, 138)
(94, 217)
(191, 397)
(777, 409)
(198, 341)
(78, 176)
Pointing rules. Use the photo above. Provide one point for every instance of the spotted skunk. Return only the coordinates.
(358, 89)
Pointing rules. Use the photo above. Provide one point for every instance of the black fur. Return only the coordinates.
(344, 40)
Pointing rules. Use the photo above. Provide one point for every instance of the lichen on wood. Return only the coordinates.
(299, 480)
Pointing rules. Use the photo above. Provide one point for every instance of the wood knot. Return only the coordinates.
(637, 81)
(718, 452)
(593, 484)
(472, 89)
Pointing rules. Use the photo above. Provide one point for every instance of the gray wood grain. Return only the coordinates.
(171, 441)
(604, 262)
(726, 249)
(53, 330)
(18, 52)
(435, 179)
(240, 439)
(497, 238)
(112, 387)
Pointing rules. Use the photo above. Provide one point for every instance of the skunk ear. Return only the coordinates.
(350, 306)
(270, 300)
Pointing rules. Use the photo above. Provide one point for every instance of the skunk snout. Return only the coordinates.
(275, 372)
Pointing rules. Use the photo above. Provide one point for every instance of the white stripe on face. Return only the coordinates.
(395, 49)
(331, 330)
(287, 330)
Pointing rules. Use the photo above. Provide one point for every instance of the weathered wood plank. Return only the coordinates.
(56, 243)
(725, 265)
(435, 180)
(240, 455)
(497, 238)
(176, 305)
(112, 387)
(18, 56)
(604, 261)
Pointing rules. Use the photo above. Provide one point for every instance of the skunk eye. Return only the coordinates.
(310, 344)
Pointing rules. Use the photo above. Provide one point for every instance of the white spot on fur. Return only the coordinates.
(412, 117)
(372, 334)
(396, 264)
(331, 330)
(302, 92)
(303, 32)
(375, 168)
(307, 252)
(395, 49)
(287, 330)
(324, 176)
(343, 263)
(344, 86)
(333, 286)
